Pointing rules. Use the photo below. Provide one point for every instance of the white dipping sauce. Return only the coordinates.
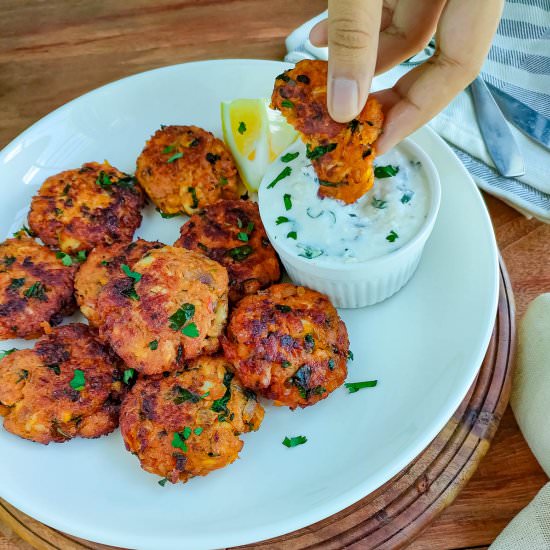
(380, 222)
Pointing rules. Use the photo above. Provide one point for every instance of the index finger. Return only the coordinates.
(353, 29)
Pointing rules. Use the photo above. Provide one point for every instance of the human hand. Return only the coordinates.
(367, 37)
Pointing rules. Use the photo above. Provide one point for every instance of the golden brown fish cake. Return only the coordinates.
(69, 385)
(342, 154)
(97, 271)
(172, 307)
(188, 423)
(36, 289)
(232, 233)
(185, 168)
(83, 208)
(288, 344)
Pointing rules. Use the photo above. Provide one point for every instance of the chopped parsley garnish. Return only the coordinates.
(8, 260)
(167, 216)
(406, 198)
(193, 192)
(282, 308)
(162, 482)
(153, 345)
(285, 364)
(294, 441)
(183, 395)
(6, 352)
(220, 405)
(103, 180)
(16, 283)
(36, 290)
(181, 316)
(131, 293)
(81, 256)
(128, 375)
(55, 368)
(175, 157)
(249, 227)
(310, 252)
(392, 236)
(26, 230)
(289, 156)
(287, 103)
(240, 253)
(350, 355)
(66, 259)
(385, 171)
(129, 273)
(288, 201)
(292, 235)
(190, 330)
(281, 219)
(285, 172)
(356, 386)
(168, 149)
(78, 381)
(242, 236)
(319, 151)
(242, 128)
(178, 441)
(105, 263)
(198, 431)
(379, 203)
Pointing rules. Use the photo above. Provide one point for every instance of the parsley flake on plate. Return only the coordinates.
(392, 237)
(285, 172)
(288, 201)
(292, 235)
(356, 386)
(294, 441)
(242, 128)
(281, 219)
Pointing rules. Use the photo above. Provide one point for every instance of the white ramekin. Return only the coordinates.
(354, 285)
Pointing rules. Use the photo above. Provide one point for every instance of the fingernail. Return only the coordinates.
(344, 99)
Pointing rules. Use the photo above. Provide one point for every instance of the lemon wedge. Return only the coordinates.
(256, 135)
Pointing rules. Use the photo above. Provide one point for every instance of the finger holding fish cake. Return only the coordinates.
(342, 154)
(171, 306)
(79, 209)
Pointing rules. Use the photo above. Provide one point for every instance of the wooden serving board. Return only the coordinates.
(397, 512)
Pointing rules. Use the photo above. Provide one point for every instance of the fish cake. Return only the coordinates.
(288, 344)
(172, 306)
(342, 154)
(36, 289)
(83, 208)
(185, 168)
(69, 385)
(188, 423)
(232, 233)
(97, 270)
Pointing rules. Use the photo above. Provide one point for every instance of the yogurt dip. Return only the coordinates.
(328, 230)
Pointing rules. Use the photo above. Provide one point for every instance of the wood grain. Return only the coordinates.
(54, 50)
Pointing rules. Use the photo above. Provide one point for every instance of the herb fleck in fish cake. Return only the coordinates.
(188, 423)
(83, 208)
(68, 385)
(342, 154)
(232, 233)
(171, 306)
(35, 288)
(288, 344)
(185, 168)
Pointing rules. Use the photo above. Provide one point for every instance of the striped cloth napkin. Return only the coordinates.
(519, 64)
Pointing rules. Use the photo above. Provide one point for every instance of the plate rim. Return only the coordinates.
(321, 511)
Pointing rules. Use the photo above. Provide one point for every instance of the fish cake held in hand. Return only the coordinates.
(170, 307)
(185, 168)
(342, 154)
(82, 208)
(69, 385)
(188, 423)
(98, 269)
(232, 233)
(288, 344)
(36, 289)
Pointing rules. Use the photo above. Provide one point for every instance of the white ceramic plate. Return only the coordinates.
(424, 345)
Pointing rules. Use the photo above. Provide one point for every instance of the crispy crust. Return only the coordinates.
(157, 408)
(100, 266)
(72, 212)
(26, 265)
(170, 278)
(204, 173)
(346, 170)
(215, 232)
(288, 344)
(37, 399)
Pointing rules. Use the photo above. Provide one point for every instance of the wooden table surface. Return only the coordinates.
(52, 51)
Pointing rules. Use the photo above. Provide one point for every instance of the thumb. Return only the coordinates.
(353, 29)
